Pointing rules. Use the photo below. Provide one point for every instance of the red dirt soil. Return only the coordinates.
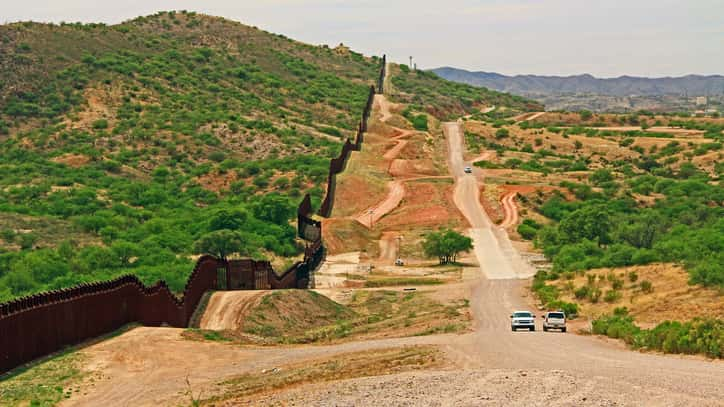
(510, 209)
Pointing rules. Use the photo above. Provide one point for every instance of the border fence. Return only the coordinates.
(37, 325)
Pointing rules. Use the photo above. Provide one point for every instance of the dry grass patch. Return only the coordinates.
(300, 316)
(345, 366)
(669, 297)
(346, 235)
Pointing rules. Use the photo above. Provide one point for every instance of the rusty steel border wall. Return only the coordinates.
(383, 74)
(40, 324)
(338, 164)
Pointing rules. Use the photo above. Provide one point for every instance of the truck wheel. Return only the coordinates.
(512, 328)
(563, 330)
(545, 329)
(532, 329)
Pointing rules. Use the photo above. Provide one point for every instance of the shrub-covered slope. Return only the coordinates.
(131, 142)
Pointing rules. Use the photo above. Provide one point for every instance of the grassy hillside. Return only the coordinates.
(123, 145)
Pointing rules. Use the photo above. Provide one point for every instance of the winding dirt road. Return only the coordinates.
(496, 255)
(510, 210)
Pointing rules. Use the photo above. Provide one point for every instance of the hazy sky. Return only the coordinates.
(604, 38)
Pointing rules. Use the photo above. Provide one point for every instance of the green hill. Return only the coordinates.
(120, 146)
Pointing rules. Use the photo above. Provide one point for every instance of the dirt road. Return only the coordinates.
(528, 117)
(395, 193)
(389, 247)
(510, 209)
(493, 249)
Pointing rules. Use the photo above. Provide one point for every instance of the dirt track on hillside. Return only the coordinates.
(528, 117)
(396, 168)
(510, 209)
(395, 193)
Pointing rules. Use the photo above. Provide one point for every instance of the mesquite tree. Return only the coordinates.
(446, 245)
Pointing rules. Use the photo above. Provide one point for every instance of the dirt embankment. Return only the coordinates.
(227, 310)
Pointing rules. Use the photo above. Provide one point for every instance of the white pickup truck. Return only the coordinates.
(554, 320)
(522, 319)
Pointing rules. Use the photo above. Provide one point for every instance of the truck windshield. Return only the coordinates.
(558, 315)
(522, 315)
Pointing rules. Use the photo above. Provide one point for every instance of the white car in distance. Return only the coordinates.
(468, 170)
(522, 319)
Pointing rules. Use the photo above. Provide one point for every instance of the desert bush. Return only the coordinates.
(612, 296)
(501, 133)
(594, 294)
(646, 286)
(705, 336)
(581, 292)
(100, 124)
(633, 276)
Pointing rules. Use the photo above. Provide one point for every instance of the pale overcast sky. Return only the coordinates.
(552, 37)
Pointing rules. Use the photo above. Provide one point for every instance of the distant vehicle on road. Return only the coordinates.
(554, 320)
(399, 262)
(468, 170)
(522, 319)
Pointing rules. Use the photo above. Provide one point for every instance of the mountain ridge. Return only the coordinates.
(625, 85)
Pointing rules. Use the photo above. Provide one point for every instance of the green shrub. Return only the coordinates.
(501, 133)
(594, 294)
(612, 296)
(581, 292)
(526, 231)
(100, 124)
(332, 131)
(705, 336)
(569, 308)
(419, 122)
(27, 240)
(217, 156)
(617, 284)
(646, 286)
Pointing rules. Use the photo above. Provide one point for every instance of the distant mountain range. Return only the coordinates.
(532, 85)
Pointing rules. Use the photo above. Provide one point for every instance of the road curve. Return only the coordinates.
(495, 253)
